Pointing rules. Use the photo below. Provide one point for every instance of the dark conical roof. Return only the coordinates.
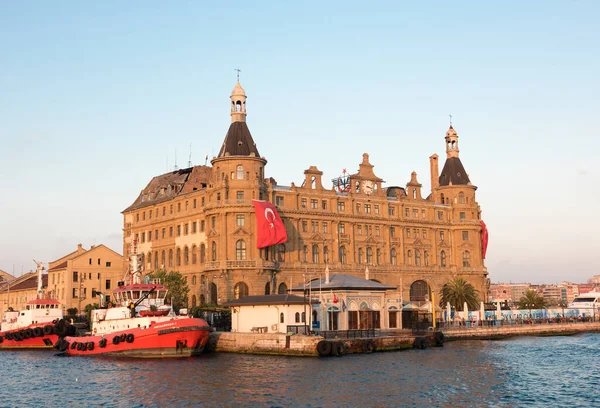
(238, 141)
(453, 172)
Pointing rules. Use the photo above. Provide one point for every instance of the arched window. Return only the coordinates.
(170, 257)
(268, 288)
(163, 259)
(218, 173)
(202, 280)
(378, 256)
(297, 317)
(442, 198)
(239, 172)
(280, 317)
(369, 256)
(202, 300)
(325, 254)
(417, 257)
(142, 258)
(409, 257)
(178, 257)
(315, 316)
(156, 260)
(425, 258)
(240, 290)
(393, 259)
(194, 280)
(466, 259)
(202, 253)
(443, 258)
(461, 198)
(342, 254)
(213, 294)
(186, 255)
(419, 291)
(303, 317)
(360, 255)
(281, 253)
(194, 255)
(193, 300)
(282, 290)
(240, 250)
(305, 254)
(214, 251)
(315, 253)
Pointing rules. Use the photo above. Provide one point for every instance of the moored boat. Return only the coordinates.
(38, 326)
(141, 325)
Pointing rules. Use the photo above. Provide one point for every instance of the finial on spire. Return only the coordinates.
(450, 119)
(238, 73)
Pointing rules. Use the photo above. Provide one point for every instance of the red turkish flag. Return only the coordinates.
(270, 229)
(484, 239)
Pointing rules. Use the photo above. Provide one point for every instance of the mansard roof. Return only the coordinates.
(342, 281)
(454, 173)
(238, 141)
(169, 185)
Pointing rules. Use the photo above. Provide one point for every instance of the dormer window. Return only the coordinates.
(169, 190)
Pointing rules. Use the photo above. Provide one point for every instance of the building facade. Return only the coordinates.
(15, 294)
(79, 278)
(200, 221)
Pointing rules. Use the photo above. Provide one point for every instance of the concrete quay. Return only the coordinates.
(301, 345)
(506, 331)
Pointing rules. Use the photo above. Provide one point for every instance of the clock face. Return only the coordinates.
(367, 187)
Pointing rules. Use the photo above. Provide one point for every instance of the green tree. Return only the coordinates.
(457, 291)
(177, 285)
(531, 300)
(88, 310)
(72, 312)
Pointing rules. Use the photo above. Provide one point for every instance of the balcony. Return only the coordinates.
(241, 264)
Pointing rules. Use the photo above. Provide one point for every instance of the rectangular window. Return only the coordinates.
(465, 235)
(98, 275)
(75, 276)
(341, 206)
(406, 212)
(314, 204)
(325, 228)
(143, 237)
(424, 234)
(187, 204)
(150, 214)
(155, 234)
(164, 211)
(214, 222)
(341, 228)
(324, 204)
(408, 233)
(179, 230)
(240, 220)
(149, 236)
(202, 225)
(392, 232)
(357, 207)
(376, 209)
(367, 208)
(202, 201)
(239, 195)
(137, 217)
(108, 265)
(440, 215)
(178, 207)
(359, 230)
(171, 208)
(107, 285)
(279, 201)
(391, 211)
(93, 293)
(314, 226)
(377, 231)
(195, 202)
(98, 261)
(303, 203)
(90, 261)
(415, 212)
(304, 226)
(164, 233)
(423, 213)
(170, 231)
(462, 215)
(74, 293)
(186, 229)
(441, 235)
(144, 216)
(194, 227)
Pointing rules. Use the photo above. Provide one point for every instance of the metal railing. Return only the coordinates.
(349, 334)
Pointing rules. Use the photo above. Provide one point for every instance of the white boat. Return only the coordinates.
(589, 301)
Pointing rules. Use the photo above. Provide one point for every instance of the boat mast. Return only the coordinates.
(40, 268)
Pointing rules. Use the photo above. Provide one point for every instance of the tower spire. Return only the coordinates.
(451, 142)
(238, 101)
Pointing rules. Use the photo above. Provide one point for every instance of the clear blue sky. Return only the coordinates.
(96, 98)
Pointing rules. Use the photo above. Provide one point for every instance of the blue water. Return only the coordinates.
(521, 372)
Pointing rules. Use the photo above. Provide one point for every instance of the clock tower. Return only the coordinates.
(365, 181)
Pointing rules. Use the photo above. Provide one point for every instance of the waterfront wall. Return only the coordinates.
(263, 343)
(483, 333)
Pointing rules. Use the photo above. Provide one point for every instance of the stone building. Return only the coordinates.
(200, 221)
(5, 276)
(15, 293)
(77, 279)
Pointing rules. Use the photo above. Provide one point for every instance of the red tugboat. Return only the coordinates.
(142, 325)
(38, 326)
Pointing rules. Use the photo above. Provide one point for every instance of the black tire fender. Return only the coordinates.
(324, 348)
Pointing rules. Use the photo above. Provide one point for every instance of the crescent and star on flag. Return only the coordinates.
(272, 220)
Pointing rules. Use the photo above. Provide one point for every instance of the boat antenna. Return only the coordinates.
(175, 166)
(40, 268)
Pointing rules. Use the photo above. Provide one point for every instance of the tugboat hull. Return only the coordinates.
(174, 338)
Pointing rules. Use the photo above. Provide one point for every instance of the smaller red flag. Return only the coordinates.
(484, 239)
(270, 229)
(335, 299)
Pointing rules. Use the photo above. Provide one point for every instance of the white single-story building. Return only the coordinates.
(270, 314)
